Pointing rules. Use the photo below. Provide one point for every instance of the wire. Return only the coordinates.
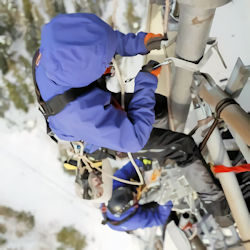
(136, 168)
(121, 82)
(119, 179)
(221, 105)
(90, 164)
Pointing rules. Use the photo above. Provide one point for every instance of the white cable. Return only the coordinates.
(89, 163)
(121, 82)
(136, 168)
(119, 179)
(165, 19)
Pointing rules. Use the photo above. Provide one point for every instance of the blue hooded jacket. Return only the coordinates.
(75, 51)
(144, 217)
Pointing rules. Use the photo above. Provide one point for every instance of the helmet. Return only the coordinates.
(122, 199)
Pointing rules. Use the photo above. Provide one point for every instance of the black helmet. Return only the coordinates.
(122, 199)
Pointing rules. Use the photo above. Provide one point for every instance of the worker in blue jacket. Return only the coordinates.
(123, 213)
(76, 49)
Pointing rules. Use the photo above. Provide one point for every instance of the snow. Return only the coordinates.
(32, 179)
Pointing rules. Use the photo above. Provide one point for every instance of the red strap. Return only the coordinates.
(236, 169)
(108, 70)
(188, 225)
(116, 104)
(104, 208)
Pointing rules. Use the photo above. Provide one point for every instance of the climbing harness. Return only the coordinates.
(57, 103)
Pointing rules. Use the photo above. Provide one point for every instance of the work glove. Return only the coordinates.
(151, 67)
(153, 41)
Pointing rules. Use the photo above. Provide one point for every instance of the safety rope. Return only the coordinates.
(168, 67)
(236, 169)
(89, 165)
(221, 105)
(122, 84)
(165, 18)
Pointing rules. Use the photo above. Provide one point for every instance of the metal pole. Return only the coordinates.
(233, 115)
(212, 94)
(231, 187)
(196, 17)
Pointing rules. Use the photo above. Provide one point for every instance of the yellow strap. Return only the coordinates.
(69, 166)
(72, 167)
(96, 164)
(146, 161)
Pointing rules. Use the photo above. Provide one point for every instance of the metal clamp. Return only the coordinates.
(180, 63)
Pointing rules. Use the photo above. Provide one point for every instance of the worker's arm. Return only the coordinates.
(130, 131)
(90, 120)
(127, 172)
(113, 128)
(152, 216)
(131, 44)
(148, 216)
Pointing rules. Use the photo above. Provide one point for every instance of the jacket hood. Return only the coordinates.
(76, 49)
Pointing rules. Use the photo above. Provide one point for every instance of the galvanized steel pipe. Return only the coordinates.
(196, 18)
(233, 115)
(231, 187)
(212, 94)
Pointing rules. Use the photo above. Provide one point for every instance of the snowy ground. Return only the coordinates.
(31, 177)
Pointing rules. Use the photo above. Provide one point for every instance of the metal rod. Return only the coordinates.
(230, 186)
(233, 115)
(245, 150)
(195, 21)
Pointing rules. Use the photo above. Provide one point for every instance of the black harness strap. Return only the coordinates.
(38, 95)
(57, 103)
(40, 100)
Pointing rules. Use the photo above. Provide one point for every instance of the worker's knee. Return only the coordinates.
(186, 150)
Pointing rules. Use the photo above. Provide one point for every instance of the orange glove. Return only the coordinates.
(153, 41)
(152, 68)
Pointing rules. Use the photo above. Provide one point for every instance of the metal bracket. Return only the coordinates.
(167, 43)
(213, 42)
(238, 78)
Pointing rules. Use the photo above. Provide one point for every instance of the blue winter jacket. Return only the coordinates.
(75, 51)
(144, 217)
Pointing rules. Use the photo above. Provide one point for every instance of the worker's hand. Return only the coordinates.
(152, 68)
(153, 41)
